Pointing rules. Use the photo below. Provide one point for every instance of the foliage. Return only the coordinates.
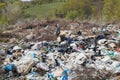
(14, 11)
(39, 2)
(10, 11)
(2, 16)
(93, 9)
(72, 15)
(2, 19)
(44, 10)
(111, 9)
(82, 7)
(2, 4)
(72, 9)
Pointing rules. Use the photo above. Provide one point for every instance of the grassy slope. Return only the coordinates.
(44, 10)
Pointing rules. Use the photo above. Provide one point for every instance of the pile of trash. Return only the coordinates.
(68, 58)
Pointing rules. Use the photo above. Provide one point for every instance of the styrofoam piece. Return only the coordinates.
(42, 66)
(16, 48)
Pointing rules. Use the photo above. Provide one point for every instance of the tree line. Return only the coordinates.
(12, 10)
(39, 2)
(90, 9)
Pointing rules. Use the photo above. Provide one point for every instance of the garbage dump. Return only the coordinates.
(69, 57)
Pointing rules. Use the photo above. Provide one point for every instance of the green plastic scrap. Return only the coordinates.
(111, 53)
(119, 34)
(53, 79)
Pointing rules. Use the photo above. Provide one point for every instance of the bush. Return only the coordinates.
(2, 19)
(72, 15)
(26, 15)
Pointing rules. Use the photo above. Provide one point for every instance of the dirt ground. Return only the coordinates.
(41, 32)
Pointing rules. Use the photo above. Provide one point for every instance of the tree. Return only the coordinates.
(14, 11)
(97, 7)
(93, 9)
(10, 11)
(39, 2)
(111, 10)
(72, 15)
(117, 9)
(82, 7)
(108, 12)
(2, 16)
(2, 19)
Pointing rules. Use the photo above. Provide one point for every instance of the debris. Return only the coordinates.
(71, 57)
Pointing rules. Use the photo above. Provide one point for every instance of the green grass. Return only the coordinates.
(45, 10)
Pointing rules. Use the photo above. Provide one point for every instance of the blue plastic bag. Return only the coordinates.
(51, 75)
(9, 67)
(64, 77)
(34, 55)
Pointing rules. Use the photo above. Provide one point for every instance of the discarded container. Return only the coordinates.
(58, 72)
(29, 66)
(17, 54)
(10, 73)
(33, 76)
(101, 41)
(2, 52)
(17, 48)
(24, 67)
(42, 66)
(112, 45)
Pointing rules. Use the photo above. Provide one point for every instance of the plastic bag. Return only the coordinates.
(9, 67)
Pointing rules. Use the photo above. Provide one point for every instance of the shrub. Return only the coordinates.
(2, 19)
(72, 15)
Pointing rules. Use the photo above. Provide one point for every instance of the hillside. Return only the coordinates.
(43, 11)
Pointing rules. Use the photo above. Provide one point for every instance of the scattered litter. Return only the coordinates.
(62, 58)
